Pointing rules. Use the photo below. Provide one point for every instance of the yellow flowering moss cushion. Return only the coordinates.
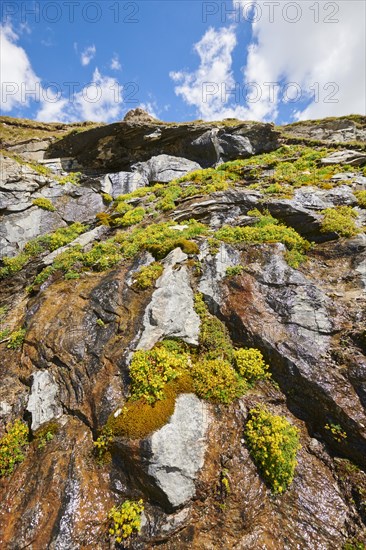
(273, 443)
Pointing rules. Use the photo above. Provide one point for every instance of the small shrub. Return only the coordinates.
(44, 203)
(16, 339)
(107, 198)
(340, 220)
(250, 365)
(217, 381)
(125, 520)
(151, 370)
(233, 271)
(273, 443)
(73, 178)
(361, 198)
(131, 217)
(104, 219)
(12, 446)
(146, 276)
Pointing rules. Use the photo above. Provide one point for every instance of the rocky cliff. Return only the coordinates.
(183, 335)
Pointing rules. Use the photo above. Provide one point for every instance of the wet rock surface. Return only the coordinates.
(71, 373)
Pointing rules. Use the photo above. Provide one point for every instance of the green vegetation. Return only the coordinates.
(250, 365)
(273, 443)
(151, 370)
(214, 339)
(139, 418)
(336, 430)
(125, 520)
(159, 239)
(102, 444)
(340, 220)
(45, 434)
(73, 178)
(44, 203)
(217, 381)
(107, 198)
(100, 323)
(266, 230)
(354, 544)
(12, 446)
(131, 217)
(361, 198)
(146, 276)
(233, 271)
(16, 339)
(294, 258)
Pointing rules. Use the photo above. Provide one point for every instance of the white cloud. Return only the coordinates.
(325, 56)
(115, 63)
(100, 101)
(205, 87)
(17, 75)
(87, 55)
(309, 52)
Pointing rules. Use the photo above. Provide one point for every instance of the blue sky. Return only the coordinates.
(180, 59)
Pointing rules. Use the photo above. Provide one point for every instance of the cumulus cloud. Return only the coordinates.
(17, 75)
(313, 53)
(323, 52)
(115, 63)
(87, 55)
(100, 101)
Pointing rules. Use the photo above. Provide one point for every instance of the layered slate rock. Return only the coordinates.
(170, 313)
(165, 168)
(118, 146)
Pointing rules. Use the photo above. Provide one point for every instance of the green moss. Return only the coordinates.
(361, 198)
(107, 198)
(234, 270)
(294, 258)
(16, 339)
(266, 230)
(214, 338)
(12, 446)
(45, 434)
(139, 419)
(131, 217)
(146, 276)
(73, 178)
(217, 381)
(160, 238)
(44, 203)
(340, 220)
(273, 443)
(63, 236)
(13, 265)
(123, 207)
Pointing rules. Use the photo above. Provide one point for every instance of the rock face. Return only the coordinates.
(118, 146)
(165, 168)
(170, 313)
(177, 450)
(306, 313)
(43, 403)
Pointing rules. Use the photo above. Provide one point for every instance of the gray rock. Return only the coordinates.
(214, 269)
(19, 228)
(34, 150)
(177, 450)
(234, 146)
(81, 204)
(43, 401)
(354, 158)
(171, 311)
(165, 168)
(122, 183)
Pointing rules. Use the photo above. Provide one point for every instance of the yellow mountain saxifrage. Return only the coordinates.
(125, 520)
(273, 443)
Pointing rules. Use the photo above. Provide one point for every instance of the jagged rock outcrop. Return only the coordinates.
(68, 336)
(118, 146)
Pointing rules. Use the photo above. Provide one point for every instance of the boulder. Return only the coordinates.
(354, 158)
(165, 168)
(122, 183)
